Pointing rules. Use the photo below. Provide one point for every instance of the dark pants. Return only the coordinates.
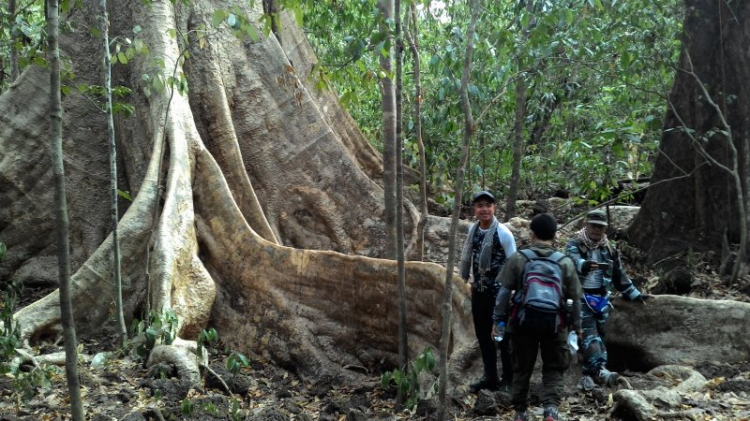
(555, 360)
(482, 305)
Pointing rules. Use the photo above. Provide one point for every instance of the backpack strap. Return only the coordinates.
(556, 257)
(529, 254)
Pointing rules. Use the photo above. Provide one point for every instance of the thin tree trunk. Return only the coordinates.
(63, 252)
(458, 194)
(424, 211)
(403, 355)
(13, 52)
(515, 178)
(389, 134)
(122, 329)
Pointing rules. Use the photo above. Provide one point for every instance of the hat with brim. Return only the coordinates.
(483, 195)
(597, 217)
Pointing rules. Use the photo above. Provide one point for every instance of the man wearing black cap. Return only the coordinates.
(531, 330)
(487, 246)
(599, 266)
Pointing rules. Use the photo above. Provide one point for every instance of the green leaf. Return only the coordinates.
(125, 195)
(217, 18)
(122, 58)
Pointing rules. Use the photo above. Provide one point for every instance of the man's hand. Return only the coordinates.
(495, 330)
(587, 266)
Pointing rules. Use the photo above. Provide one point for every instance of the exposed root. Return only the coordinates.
(640, 404)
(182, 359)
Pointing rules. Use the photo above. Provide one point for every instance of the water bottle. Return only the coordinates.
(573, 343)
(569, 310)
(500, 332)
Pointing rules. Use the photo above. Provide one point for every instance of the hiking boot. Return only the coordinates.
(483, 383)
(607, 378)
(550, 413)
(586, 383)
(520, 416)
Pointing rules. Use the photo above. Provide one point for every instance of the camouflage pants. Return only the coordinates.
(594, 351)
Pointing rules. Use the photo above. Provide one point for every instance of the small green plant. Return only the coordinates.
(235, 411)
(160, 328)
(207, 339)
(236, 361)
(186, 407)
(10, 336)
(408, 382)
(211, 408)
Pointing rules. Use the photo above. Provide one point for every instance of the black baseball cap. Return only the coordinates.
(483, 194)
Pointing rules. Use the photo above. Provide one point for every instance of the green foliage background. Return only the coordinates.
(597, 74)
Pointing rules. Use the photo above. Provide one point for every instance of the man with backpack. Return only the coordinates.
(543, 279)
(487, 246)
(600, 268)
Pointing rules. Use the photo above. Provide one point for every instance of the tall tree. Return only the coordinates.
(63, 246)
(116, 269)
(388, 92)
(701, 176)
(412, 37)
(468, 131)
(403, 345)
(268, 208)
(13, 50)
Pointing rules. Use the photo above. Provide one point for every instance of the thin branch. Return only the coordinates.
(630, 192)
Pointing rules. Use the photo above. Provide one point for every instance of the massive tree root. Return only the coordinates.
(662, 402)
(240, 218)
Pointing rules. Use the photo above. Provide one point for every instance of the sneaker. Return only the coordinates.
(483, 383)
(550, 413)
(520, 416)
(586, 383)
(607, 378)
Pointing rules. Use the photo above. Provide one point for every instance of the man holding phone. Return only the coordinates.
(600, 269)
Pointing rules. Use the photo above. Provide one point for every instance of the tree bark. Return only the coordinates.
(63, 245)
(701, 200)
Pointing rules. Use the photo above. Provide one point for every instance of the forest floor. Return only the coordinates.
(120, 388)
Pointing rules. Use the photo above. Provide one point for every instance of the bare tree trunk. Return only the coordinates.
(515, 178)
(389, 134)
(117, 278)
(445, 334)
(13, 51)
(413, 41)
(63, 255)
(403, 355)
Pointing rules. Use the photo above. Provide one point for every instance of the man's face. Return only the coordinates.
(484, 210)
(595, 231)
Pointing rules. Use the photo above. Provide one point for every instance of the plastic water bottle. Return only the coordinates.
(573, 343)
(500, 332)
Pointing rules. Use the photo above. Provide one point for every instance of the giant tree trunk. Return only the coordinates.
(252, 211)
(695, 211)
